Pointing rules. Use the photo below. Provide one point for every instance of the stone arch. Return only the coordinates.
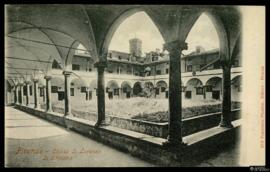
(70, 54)
(58, 89)
(162, 89)
(213, 88)
(224, 51)
(9, 93)
(78, 89)
(126, 83)
(137, 88)
(117, 22)
(162, 83)
(194, 89)
(126, 89)
(112, 89)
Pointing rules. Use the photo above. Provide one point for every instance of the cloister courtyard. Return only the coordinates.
(126, 85)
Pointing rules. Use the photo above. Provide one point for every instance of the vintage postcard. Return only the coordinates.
(134, 86)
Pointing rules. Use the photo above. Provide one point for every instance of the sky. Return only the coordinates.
(140, 25)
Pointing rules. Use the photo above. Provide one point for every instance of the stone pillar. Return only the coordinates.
(67, 92)
(44, 93)
(204, 92)
(101, 92)
(86, 94)
(175, 102)
(226, 96)
(17, 93)
(21, 90)
(48, 94)
(36, 100)
(14, 93)
(27, 93)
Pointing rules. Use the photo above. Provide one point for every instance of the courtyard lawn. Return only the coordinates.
(147, 109)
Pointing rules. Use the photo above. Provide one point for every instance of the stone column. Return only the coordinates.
(101, 92)
(226, 96)
(67, 92)
(14, 93)
(21, 89)
(204, 92)
(86, 94)
(48, 94)
(175, 103)
(44, 93)
(17, 93)
(36, 94)
(27, 93)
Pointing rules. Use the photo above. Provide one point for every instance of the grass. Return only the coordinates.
(154, 110)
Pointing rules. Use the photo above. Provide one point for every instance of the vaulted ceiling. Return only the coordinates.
(35, 35)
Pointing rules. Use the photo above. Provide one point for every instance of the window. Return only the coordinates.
(107, 90)
(89, 69)
(167, 71)
(89, 95)
(24, 90)
(124, 89)
(116, 91)
(71, 91)
(189, 68)
(56, 65)
(188, 94)
(209, 88)
(157, 91)
(83, 89)
(31, 90)
(199, 90)
(167, 94)
(54, 89)
(40, 92)
(72, 84)
(61, 95)
(163, 89)
(158, 72)
(75, 67)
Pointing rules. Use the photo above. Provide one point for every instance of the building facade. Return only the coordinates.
(131, 76)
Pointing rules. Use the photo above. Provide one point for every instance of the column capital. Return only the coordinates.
(100, 64)
(48, 77)
(176, 45)
(27, 82)
(67, 73)
(35, 80)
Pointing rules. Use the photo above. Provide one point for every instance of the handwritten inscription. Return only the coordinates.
(55, 154)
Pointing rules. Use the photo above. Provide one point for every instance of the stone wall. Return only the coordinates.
(190, 125)
(143, 146)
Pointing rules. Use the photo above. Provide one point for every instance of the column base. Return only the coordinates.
(67, 114)
(101, 123)
(226, 125)
(49, 111)
(174, 145)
